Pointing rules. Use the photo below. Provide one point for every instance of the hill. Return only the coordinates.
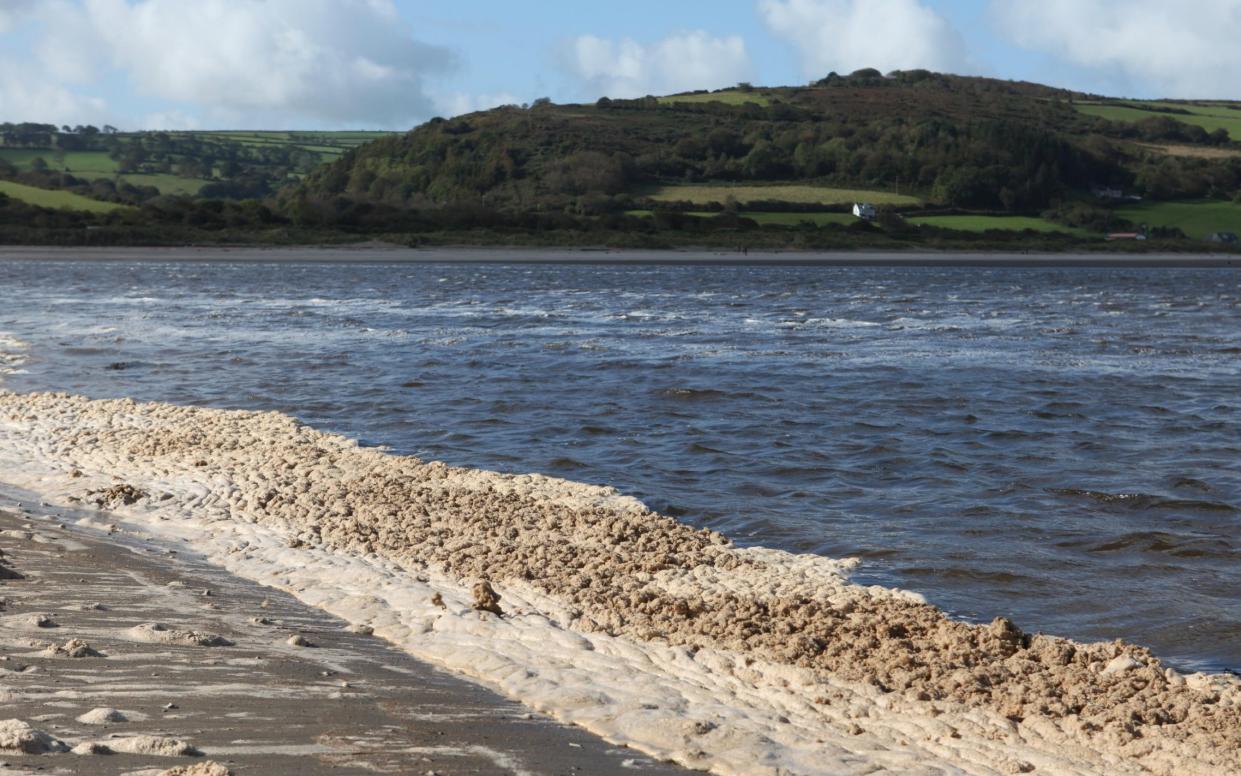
(134, 167)
(925, 144)
(947, 160)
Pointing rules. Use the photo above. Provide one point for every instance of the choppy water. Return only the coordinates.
(1058, 445)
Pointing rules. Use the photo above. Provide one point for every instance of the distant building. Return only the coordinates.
(1126, 236)
(1107, 192)
(1226, 238)
(864, 211)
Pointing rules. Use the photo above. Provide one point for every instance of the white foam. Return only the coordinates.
(13, 354)
(706, 708)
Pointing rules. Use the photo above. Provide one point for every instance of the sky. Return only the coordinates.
(391, 64)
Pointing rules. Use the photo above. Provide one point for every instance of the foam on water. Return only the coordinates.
(13, 354)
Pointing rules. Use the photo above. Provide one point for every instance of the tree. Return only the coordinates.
(38, 164)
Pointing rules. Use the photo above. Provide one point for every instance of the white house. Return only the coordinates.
(864, 211)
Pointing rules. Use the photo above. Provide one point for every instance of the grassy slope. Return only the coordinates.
(55, 199)
(1209, 118)
(92, 165)
(795, 193)
(995, 223)
(83, 164)
(728, 97)
(977, 224)
(1196, 219)
(766, 219)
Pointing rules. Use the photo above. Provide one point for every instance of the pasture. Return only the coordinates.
(83, 164)
(972, 223)
(55, 199)
(1210, 116)
(727, 96)
(769, 219)
(705, 194)
(1196, 219)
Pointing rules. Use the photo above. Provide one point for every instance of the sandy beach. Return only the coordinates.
(387, 253)
(585, 605)
(117, 657)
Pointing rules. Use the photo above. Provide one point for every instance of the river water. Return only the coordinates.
(1057, 445)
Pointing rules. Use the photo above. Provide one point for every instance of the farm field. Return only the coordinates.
(83, 164)
(994, 223)
(797, 219)
(55, 199)
(327, 144)
(1209, 117)
(795, 193)
(769, 219)
(93, 165)
(728, 97)
(1196, 219)
(96, 164)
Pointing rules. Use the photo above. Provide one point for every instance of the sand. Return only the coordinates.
(351, 705)
(587, 605)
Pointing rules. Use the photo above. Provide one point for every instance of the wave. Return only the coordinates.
(1165, 543)
(13, 354)
(614, 617)
(1139, 501)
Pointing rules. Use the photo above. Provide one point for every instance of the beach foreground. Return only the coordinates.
(236, 677)
(584, 604)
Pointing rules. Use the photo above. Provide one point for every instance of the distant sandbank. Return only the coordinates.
(386, 253)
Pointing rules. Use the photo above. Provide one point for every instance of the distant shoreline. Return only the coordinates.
(391, 254)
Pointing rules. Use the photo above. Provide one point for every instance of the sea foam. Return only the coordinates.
(739, 661)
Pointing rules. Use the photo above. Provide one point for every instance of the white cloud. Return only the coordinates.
(682, 62)
(261, 63)
(11, 11)
(26, 94)
(171, 121)
(847, 35)
(1191, 50)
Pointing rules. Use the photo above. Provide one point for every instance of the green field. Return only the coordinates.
(331, 144)
(1209, 117)
(83, 164)
(167, 184)
(797, 219)
(995, 223)
(1195, 219)
(728, 97)
(93, 165)
(769, 219)
(55, 199)
(795, 193)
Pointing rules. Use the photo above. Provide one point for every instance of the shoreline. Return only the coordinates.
(615, 618)
(393, 254)
(224, 679)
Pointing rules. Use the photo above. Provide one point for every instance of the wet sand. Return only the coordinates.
(343, 703)
(385, 253)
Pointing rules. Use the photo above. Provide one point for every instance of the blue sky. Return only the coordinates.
(393, 63)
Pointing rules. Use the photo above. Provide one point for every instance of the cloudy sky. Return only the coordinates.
(393, 63)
